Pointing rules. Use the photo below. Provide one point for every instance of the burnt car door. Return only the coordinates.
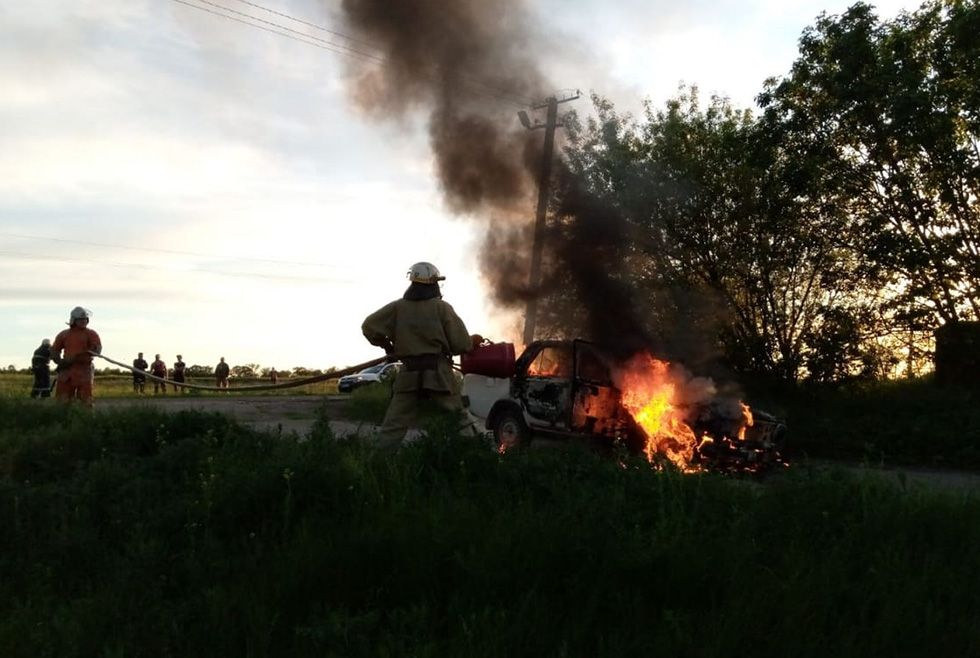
(546, 385)
(596, 407)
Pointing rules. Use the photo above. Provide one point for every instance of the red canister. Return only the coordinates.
(490, 360)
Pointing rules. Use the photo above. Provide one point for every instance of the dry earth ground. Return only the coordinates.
(294, 413)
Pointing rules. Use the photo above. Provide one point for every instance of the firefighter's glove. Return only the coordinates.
(476, 340)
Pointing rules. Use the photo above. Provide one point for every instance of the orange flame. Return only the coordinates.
(747, 421)
(658, 397)
(550, 363)
(649, 394)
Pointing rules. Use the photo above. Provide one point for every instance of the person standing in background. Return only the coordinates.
(178, 374)
(139, 378)
(221, 372)
(159, 369)
(41, 369)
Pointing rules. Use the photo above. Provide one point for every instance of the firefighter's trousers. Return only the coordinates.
(75, 383)
(403, 411)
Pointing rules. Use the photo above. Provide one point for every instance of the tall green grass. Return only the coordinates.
(136, 533)
(17, 385)
(369, 403)
(893, 423)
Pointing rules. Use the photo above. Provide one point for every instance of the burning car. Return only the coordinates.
(574, 389)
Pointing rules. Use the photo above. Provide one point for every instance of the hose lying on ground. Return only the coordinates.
(260, 387)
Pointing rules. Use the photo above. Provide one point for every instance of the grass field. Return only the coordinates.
(17, 385)
(137, 533)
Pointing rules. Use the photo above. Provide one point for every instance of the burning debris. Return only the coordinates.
(654, 396)
(686, 422)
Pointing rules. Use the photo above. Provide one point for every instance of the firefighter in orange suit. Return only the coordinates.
(71, 351)
(423, 332)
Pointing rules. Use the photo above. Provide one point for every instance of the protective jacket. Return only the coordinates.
(76, 342)
(40, 367)
(423, 334)
(41, 359)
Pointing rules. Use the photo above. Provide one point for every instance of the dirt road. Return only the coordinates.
(291, 413)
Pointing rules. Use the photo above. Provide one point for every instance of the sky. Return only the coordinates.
(209, 189)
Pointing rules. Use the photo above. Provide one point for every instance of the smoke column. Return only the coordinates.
(464, 62)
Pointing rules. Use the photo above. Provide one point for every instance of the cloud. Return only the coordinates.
(634, 49)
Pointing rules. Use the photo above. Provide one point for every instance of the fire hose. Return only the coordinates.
(260, 387)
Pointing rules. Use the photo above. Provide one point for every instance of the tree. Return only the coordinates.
(246, 370)
(300, 371)
(725, 254)
(819, 240)
(883, 120)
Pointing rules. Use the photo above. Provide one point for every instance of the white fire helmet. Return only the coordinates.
(79, 313)
(424, 273)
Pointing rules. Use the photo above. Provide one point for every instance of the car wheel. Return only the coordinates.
(510, 430)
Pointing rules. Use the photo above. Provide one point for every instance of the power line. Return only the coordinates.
(365, 55)
(340, 49)
(160, 251)
(308, 23)
(143, 266)
(526, 100)
(260, 27)
(345, 49)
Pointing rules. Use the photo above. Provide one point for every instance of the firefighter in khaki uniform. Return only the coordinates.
(75, 369)
(423, 332)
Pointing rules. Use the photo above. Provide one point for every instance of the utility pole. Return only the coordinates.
(544, 187)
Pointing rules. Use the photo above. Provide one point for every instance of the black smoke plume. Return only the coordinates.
(464, 62)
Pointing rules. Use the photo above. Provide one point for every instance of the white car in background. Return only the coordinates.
(373, 375)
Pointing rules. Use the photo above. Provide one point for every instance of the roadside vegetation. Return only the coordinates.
(890, 423)
(113, 385)
(146, 534)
